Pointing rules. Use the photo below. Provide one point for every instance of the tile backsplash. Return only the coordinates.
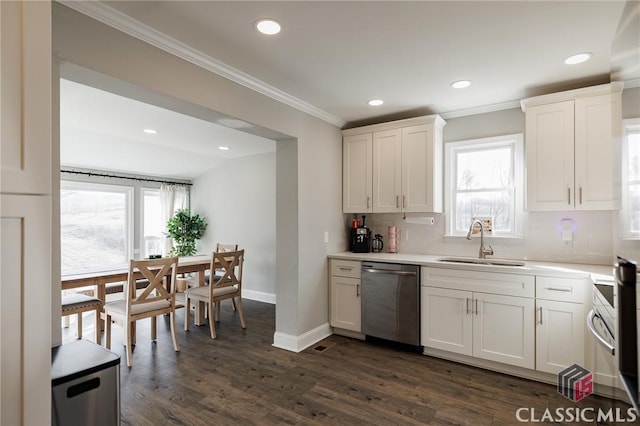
(594, 240)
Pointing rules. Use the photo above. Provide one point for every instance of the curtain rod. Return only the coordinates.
(140, 179)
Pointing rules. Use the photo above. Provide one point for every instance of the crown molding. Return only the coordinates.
(483, 109)
(124, 23)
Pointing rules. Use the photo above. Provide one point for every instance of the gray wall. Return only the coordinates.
(313, 208)
(238, 198)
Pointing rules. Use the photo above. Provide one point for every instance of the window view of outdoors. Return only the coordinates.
(633, 173)
(94, 232)
(484, 187)
(152, 222)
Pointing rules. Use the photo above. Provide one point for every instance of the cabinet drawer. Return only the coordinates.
(345, 268)
(563, 289)
(484, 282)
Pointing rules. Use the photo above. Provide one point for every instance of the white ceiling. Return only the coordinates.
(333, 56)
(104, 131)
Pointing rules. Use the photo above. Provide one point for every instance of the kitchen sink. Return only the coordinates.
(477, 261)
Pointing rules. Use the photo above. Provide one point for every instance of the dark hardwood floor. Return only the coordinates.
(240, 378)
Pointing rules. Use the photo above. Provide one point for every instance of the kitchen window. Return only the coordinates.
(96, 223)
(483, 178)
(152, 227)
(631, 178)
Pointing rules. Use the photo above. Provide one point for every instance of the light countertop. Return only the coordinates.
(567, 270)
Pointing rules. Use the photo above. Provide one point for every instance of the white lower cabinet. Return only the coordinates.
(346, 307)
(560, 331)
(446, 323)
(494, 327)
(345, 303)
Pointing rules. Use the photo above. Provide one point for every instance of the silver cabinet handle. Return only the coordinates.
(580, 196)
(345, 268)
(397, 202)
(592, 328)
(569, 196)
(476, 306)
(540, 310)
(357, 290)
(404, 201)
(367, 202)
(467, 304)
(563, 289)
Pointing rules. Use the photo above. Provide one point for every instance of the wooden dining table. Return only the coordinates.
(197, 264)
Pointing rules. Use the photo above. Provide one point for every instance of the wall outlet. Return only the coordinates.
(326, 236)
(567, 231)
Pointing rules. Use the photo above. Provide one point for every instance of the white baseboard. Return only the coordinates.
(259, 296)
(299, 343)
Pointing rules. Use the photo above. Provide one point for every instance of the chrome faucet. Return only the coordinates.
(483, 250)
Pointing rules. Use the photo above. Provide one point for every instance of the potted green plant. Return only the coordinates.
(185, 229)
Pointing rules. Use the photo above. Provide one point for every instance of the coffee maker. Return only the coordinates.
(360, 237)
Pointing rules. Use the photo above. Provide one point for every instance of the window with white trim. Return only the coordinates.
(96, 226)
(484, 178)
(631, 178)
(152, 226)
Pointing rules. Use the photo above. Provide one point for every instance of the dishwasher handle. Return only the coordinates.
(390, 272)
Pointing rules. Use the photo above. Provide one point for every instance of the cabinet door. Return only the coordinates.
(446, 320)
(25, 110)
(550, 156)
(418, 169)
(357, 177)
(387, 166)
(595, 166)
(25, 309)
(345, 303)
(503, 329)
(559, 335)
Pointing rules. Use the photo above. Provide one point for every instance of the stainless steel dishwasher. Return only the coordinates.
(391, 302)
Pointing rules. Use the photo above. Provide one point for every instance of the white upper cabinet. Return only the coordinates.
(421, 169)
(387, 168)
(405, 167)
(357, 181)
(572, 149)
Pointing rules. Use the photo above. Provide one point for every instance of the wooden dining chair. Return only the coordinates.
(155, 299)
(77, 304)
(227, 285)
(221, 247)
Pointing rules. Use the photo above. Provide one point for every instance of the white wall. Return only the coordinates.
(238, 199)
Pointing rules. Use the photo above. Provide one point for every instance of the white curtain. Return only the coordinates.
(172, 198)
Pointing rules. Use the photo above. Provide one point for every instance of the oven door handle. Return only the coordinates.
(592, 328)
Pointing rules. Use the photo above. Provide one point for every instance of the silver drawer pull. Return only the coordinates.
(563, 289)
(344, 268)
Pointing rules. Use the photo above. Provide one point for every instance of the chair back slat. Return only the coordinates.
(230, 265)
(155, 271)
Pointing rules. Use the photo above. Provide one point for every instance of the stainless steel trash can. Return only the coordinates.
(85, 385)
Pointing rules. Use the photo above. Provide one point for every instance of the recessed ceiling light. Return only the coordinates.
(267, 26)
(578, 58)
(223, 148)
(376, 102)
(150, 131)
(460, 84)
